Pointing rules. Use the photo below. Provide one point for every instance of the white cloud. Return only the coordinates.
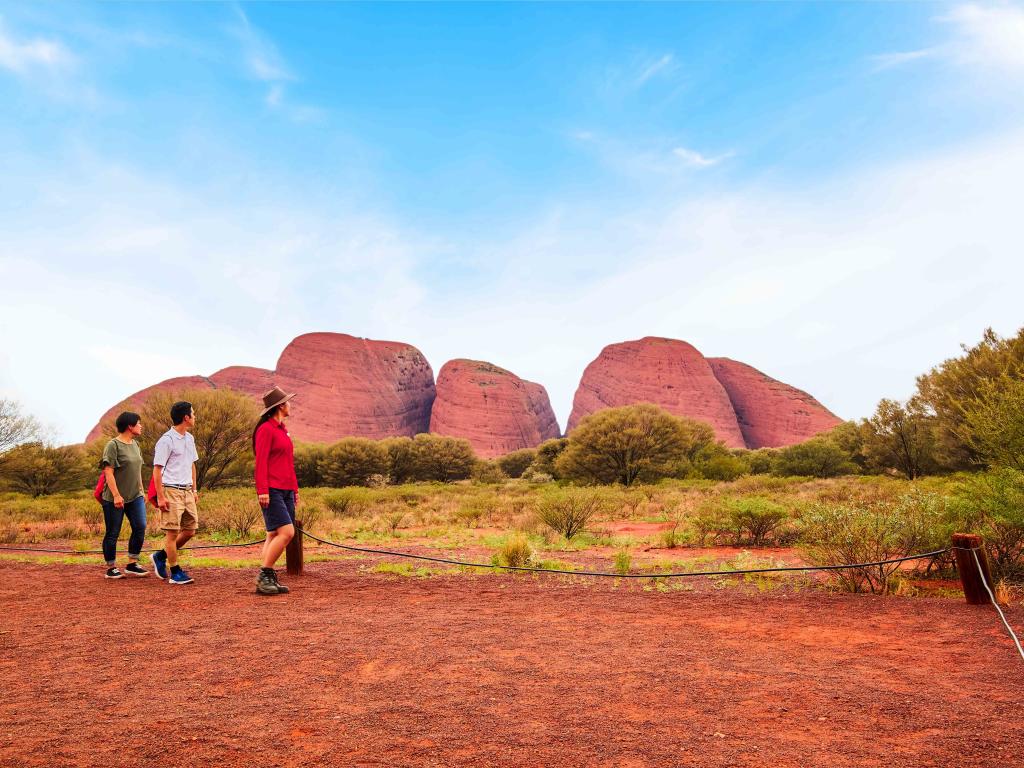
(695, 159)
(990, 36)
(660, 65)
(23, 57)
(884, 61)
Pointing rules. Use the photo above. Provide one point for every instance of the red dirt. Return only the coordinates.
(494, 670)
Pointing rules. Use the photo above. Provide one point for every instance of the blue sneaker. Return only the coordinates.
(159, 560)
(180, 578)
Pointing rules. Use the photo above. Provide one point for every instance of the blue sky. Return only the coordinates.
(825, 191)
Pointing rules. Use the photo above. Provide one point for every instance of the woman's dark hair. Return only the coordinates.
(179, 411)
(263, 420)
(126, 420)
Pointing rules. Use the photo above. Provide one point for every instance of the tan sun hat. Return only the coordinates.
(274, 398)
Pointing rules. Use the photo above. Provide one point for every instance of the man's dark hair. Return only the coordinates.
(126, 420)
(179, 411)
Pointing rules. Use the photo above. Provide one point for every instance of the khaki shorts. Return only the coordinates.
(181, 513)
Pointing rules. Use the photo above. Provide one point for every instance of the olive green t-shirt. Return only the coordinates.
(126, 459)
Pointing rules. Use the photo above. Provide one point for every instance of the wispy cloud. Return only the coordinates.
(883, 61)
(25, 56)
(660, 65)
(695, 159)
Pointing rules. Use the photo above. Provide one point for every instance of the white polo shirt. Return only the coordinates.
(176, 454)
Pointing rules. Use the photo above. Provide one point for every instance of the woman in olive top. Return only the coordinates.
(124, 495)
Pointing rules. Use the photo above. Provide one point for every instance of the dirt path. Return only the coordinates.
(493, 671)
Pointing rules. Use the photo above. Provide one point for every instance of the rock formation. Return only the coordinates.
(345, 385)
(770, 413)
(492, 408)
(667, 372)
(746, 408)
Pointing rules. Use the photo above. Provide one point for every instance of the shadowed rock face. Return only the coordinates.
(770, 413)
(667, 372)
(492, 408)
(345, 385)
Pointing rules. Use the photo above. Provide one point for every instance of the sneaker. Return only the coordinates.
(159, 560)
(180, 578)
(281, 588)
(114, 573)
(134, 569)
(266, 584)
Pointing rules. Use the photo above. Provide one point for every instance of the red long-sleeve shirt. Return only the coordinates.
(275, 458)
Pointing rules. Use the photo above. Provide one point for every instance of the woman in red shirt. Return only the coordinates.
(277, 488)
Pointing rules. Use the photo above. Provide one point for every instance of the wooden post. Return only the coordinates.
(974, 589)
(293, 553)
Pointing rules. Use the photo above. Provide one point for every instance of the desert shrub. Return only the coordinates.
(392, 518)
(515, 463)
(307, 464)
(515, 552)
(348, 502)
(547, 454)
(992, 504)
(672, 538)
(756, 517)
(232, 513)
(837, 533)
(353, 461)
(900, 436)
(633, 443)
(401, 459)
(762, 461)
(538, 478)
(708, 523)
(442, 459)
(39, 470)
(568, 512)
(623, 561)
(472, 510)
(721, 464)
(817, 457)
(488, 472)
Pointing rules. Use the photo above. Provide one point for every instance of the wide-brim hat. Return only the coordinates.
(274, 398)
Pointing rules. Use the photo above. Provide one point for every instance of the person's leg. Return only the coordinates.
(112, 519)
(171, 523)
(135, 511)
(276, 542)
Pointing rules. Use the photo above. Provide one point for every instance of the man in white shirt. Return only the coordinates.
(174, 473)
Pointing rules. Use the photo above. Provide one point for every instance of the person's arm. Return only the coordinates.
(108, 472)
(195, 488)
(262, 451)
(160, 454)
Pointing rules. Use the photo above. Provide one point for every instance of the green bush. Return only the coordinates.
(817, 457)
(353, 461)
(721, 464)
(40, 470)
(488, 472)
(837, 533)
(756, 517)
(442, 459)
(568, 512)
(515, 463)
(348, 502)
(307, 464)
(992, 504)
(547, 454)
(623, 561)
(515, 552)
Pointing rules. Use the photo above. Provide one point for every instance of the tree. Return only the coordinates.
(515, 463)
(635, 442)
(307, 464)
(444, 459)
(15, 427)
(950, 390)
(993, 424)
(817, 457)
(225, 420)
(39, 469)
(547, 454)
(901, 437)
(353, 461)
(401, 459)
(849, 436)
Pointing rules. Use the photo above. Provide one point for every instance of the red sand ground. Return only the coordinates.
(356, 669)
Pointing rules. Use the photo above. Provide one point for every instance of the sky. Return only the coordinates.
(829, 192)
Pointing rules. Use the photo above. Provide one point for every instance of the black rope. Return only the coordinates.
(622, 575)
(100, 551)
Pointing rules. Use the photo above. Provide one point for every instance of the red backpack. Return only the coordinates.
(100, 485)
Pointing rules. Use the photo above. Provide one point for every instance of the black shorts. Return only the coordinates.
(281, 509)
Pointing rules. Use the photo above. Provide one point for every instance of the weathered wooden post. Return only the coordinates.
(293, 554)
(974, 589)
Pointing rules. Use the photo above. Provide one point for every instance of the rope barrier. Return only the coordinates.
(992, 597)
(100, 551)
(740, 572)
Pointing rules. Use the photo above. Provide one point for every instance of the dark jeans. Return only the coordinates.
(135, 511)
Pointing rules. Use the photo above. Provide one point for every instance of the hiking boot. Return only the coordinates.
(114, 573)
(159, 560)
(266, 583)
(179, 577)
(281, 588)
(134, 569)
